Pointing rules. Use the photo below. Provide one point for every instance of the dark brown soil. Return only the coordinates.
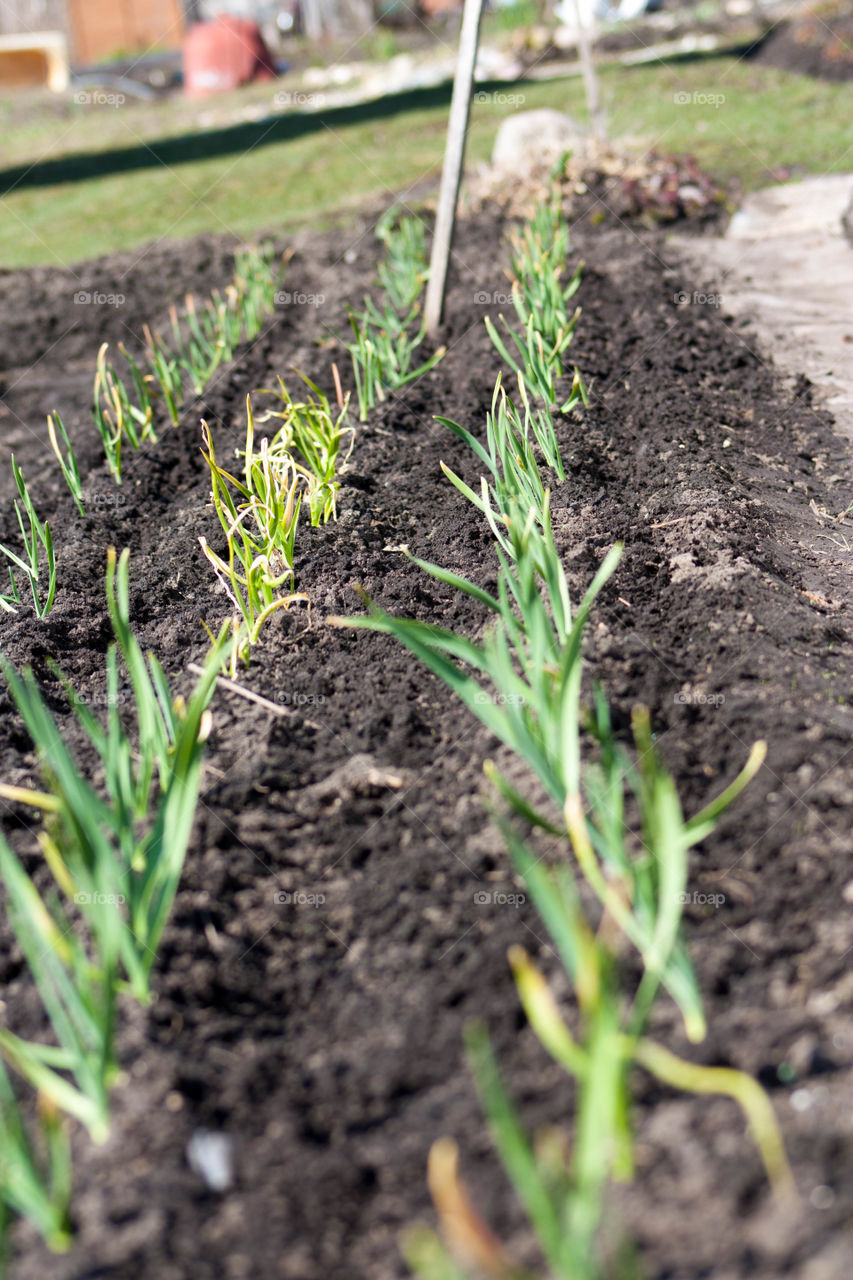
(817, 43)
(326, 1040)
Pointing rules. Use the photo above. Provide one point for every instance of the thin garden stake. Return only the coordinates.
(451, 174)
(590, 77)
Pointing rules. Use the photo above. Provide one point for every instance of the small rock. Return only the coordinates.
(211, 1156)
(822, 1197)
(525, 138)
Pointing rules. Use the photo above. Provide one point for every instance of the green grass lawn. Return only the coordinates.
(767, 119)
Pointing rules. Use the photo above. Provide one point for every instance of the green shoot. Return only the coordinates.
(202, 338)
(386, 338)
(166, 372)
(383, 352)
(259, 516)
(405, 269)
(35, 1176)
(540, 251)
(200, 352)
(256, 281)
(640, 895)
(140, 414)
(78, 986)
(116, 856)
(366, 369)
(127, 849)
(67, 464)
(105, 418)
(510, 459)
(746, 1092)
(539, 362)
(35, 539)
(311, 429)
(119, 411)
(115, 413)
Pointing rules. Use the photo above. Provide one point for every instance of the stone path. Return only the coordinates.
(786, 264)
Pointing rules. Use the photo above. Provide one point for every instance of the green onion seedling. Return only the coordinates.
(386, 337)
(202, 337)
(127, 848)
(259, 516)
(36, 538)
(165, 372)
(78, 988)
(68, 464)
(115, 853)
(35, 1172)
(404, 270)
(310, 427)
(538, 363)
(539, 255)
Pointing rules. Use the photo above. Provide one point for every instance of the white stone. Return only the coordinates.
(211, 1156)
(529, 136)
(788, 268)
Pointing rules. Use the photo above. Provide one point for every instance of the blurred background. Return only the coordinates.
(125, 121)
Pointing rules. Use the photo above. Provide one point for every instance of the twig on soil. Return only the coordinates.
(233, 687)
(664, 524)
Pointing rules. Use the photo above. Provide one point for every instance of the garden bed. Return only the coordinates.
(814, 42)
(324, 1034)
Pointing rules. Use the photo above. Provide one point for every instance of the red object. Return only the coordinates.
(223, 54)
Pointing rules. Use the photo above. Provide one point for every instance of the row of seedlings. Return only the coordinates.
(259, 510)
(115, 853)
(615, 809)
(202, 338)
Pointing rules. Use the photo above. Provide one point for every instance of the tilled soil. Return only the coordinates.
(324, 1034)
(813, 43)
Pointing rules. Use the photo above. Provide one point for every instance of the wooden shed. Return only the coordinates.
(96, 29)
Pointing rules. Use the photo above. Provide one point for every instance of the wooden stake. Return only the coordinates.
(590, 78)
(451, 174)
